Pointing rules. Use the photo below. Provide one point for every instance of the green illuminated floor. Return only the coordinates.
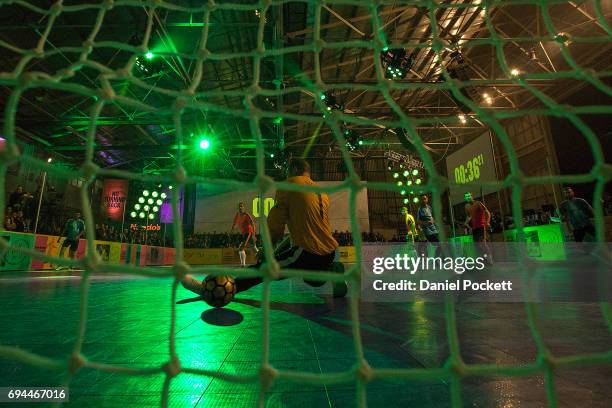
(129, 323)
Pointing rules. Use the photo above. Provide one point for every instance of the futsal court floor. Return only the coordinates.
(129, 321)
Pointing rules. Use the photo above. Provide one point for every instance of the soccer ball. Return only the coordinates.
(218, 291)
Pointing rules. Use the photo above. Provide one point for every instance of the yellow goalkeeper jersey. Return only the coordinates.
(306, 215)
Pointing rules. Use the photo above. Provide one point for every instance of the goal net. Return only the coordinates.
(104, 93)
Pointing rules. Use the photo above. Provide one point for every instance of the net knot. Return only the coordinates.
(354, 274)
(91, 262)
(56, 8)
(456, 366)
(264, 183)
(76, 362)
(172, 367)
(202, 54)
(603, 172)
(364, 372)
(438, 182)
(108, 4)
(181, 268)
(106, 94)
(516, 179)
(180, 174)
(318, 45)
(89, 170)
(267, 374)
(87, 46)
(211, 6)
(253, 90)
(271, 270)
(10, 154)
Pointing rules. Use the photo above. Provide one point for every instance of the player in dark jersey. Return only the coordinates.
(73, 231)
(245, 222)
(578, 215)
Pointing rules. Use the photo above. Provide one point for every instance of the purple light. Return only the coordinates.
(166, 208)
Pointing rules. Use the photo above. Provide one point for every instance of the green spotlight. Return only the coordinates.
(151, 216)
(145, 193)
(399, 183)
(154, 194)
(418, 181)
(146, 208)
(155, 209)
(137, 206)
(322, 96)
(403, 192)
(360, 143)
(415, 200)
(150, 201)
(163, 195)
(149, 55)
(170, 187)
(204, 144)
(395, 175)
(409, 183)
(406, 201)
(415, 172)
(141, 215)
(406, 173)
(141, 200)
(271, 155)
(133, 214)
(159, 202)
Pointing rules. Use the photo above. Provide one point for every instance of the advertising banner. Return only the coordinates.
(114, 195)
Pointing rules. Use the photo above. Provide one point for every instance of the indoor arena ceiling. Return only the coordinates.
(137, 140)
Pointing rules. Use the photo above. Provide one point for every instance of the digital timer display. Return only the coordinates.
(469, 171)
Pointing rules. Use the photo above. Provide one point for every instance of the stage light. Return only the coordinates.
(151, 216)
(145, 193)
(514, 72)
(49, 160)
(360, 142)
(409, 183)
(150, 201)
(146, 208)
(403, 192)
(271, 155)
(462, 118)
(141, 215)
(141, 200)
(415, 172)
(163, 195)
(389, 165)
(415, 200)
(399, 183)
(406, 173)
(396, 63)
(133, 214)
(137, 206)
(159, 202)
(406, 201)
(170, 187)
(401, 166)
(418, 181)
(154, 194)
(149, 55)
(204, 144)
(395, 175)
(155, 209)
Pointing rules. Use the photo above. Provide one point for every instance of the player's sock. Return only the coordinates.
(242, 258)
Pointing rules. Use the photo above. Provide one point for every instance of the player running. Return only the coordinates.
(73, 230)
(247, 227)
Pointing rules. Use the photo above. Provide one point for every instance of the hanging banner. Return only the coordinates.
(114, 195)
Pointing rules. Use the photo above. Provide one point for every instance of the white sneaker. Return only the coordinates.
(59, 268)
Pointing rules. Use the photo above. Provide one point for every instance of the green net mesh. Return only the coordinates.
(103, 93)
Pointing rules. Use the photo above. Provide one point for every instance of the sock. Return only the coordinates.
(242, 257)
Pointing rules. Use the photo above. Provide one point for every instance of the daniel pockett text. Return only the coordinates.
(414, 263)
(501, 272)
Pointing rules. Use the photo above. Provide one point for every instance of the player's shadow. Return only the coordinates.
(222, 317)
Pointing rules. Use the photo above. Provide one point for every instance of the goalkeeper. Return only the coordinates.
(311, 245)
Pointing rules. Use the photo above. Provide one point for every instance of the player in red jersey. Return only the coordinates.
(478, 219)
(247, 227)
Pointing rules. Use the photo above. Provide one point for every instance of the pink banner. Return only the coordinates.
(114, 196)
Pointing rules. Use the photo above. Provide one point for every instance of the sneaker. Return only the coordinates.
(59, 268)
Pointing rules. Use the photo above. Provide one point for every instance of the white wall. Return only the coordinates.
(215, 212)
